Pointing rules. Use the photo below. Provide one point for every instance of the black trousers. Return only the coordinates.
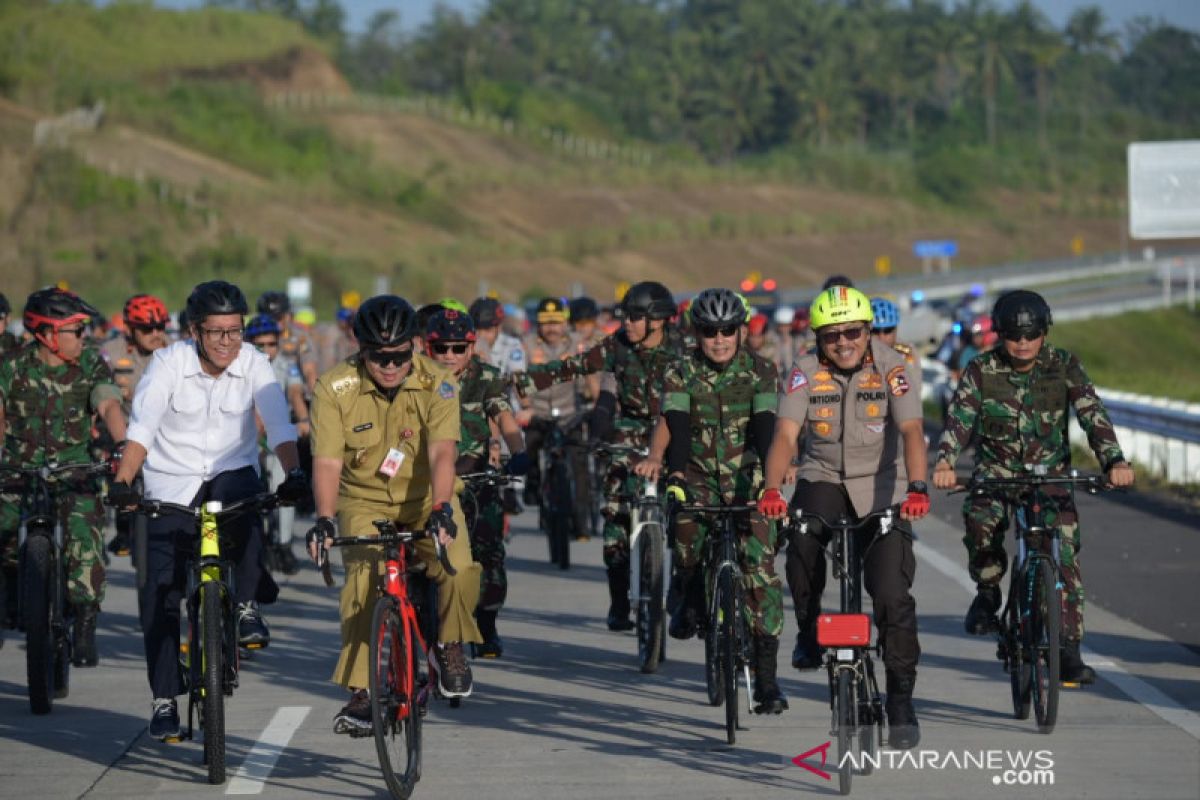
(171, 544)
(888, 570)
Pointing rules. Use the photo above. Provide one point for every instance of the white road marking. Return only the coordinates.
(252, 775)
(1105, 666)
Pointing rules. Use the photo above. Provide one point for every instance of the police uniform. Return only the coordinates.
(354, 421)
(853, 463)
(506, 354)
(128, 365)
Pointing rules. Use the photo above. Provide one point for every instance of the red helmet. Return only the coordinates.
(983, 325)
(758, 324)
(145, 310)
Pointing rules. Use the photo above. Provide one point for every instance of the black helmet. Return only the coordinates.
(583, 308)
(486, 312)
(51, 308)
(215, 297)
(274, 303)
(182, 319)
(650, 298)
(384, 321)
(424, 314)
(837, 280)
(717, 308)
(5, 308)
(450, 325)
(1021, 311)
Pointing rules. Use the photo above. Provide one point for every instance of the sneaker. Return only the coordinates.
(1072, 669)
(807, 653)
(491, 648)
(453, 671)
(981, 616)
(119, 546)
(618, 618)
(286, 559)
(84, 653)
(252, 628)
(904, 731)
(355, 716)
(164, 722)
(683, 622)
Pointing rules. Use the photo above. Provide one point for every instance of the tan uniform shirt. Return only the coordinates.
(853, 434)
(128, 366)
(295, 342)
(563, 397)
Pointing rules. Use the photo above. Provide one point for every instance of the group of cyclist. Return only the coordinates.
(727, 412)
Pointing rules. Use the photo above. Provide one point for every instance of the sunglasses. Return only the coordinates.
(636, 316)
(728, 331)
(76, 332)
(458, 348)
(1023, 336)
(849, 334)
(158, 326)
(884, 330)
(396, 357)
(264, 345)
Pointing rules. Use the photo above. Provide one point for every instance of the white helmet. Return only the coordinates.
(784, 315)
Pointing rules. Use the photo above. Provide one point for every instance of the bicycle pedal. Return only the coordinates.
(1070, 684)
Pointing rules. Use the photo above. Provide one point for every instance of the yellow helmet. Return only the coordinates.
(839, 304)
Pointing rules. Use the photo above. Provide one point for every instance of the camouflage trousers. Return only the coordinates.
(987, 518)
(83, 518)
(487, 547)
(620, 484)
(757, 545)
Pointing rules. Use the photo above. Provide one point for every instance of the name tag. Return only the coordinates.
(391, 463)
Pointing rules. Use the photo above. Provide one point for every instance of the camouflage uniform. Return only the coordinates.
(636, 381)
(49, 411)
(723, 467)
(1020, 420)
(482, 392)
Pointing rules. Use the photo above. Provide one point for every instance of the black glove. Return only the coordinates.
(326, 528)
(294, 488)
(122, 495)
(441, 517)
(518, 463)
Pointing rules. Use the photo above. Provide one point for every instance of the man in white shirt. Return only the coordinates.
(193, 428)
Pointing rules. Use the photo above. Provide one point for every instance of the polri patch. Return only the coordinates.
(797, 381)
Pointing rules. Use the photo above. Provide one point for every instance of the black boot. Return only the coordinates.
(492, 646)
(904, 732)
(981, 616)
(618, 593)
(688, 589)
(807, 653)
(768, 697)
(84, 654)
(1071, 666)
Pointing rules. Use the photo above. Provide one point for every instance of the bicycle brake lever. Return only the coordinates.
(443, 557)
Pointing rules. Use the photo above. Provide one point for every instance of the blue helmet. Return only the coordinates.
(887, 315)
(261, 325)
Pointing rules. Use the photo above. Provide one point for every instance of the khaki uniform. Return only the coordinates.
(296, 343)
(354, 421)
(127, 364)
(563, 397)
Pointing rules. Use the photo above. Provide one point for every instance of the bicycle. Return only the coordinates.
(212, 646)
(855, 705)
(727, 640)
(649, 564)
(476, 483)
(43, 610)
(558, 515)
(398, 684)
(1030, 632)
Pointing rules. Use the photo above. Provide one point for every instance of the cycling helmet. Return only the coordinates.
(1021, 311)
(758, 324)
(784, 315)
(885, 312)
(274, 303)
(983, 326)
(839, 304)
(717, 308)
(450, 325)
(450, 302)
(144, 310)
(53, 308)
(582, 309)
(5, 308)
(384, 321)
(837, 280)
(213, 298)
(650, 298)
(345, 314)
(800, 321)
(551, 309)
(262, 325)
(486, 312)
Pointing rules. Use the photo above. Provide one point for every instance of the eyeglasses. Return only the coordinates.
(76, 332)
(273, 344)
(1023, 336)
(390, 358)
(157, 326)
(458, 348)
(223, 334)
(728, 331)
(635, 316)
(884, 331)
(849, 334)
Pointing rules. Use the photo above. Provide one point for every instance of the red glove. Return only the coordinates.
(771, 504)
(916, 506)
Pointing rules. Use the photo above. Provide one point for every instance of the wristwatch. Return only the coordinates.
(919, 487)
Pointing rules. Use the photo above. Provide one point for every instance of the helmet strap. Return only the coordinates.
(51, 343)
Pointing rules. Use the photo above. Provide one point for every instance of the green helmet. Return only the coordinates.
(839, 304)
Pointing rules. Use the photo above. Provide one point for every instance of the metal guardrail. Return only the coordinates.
(1160, 435)
(1170, 423)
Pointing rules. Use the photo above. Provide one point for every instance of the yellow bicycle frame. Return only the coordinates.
(210, 546)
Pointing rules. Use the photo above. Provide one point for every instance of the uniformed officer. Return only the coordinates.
(8, 342)
(294, 341)
(583, 312)
(864, 441)
(884, 328)
(385, 438)
(492, 345)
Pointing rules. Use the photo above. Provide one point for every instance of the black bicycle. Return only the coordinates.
(558, 514)
(43, 610)
(1030, 633)
(476, 484)
(856, 707)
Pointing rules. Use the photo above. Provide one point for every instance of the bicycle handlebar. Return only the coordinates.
(1091, 483)
(388, 534)
(620, 449)
(845, 523)
(688, 508)
(259, 502)
(489, 477)
(50, 471)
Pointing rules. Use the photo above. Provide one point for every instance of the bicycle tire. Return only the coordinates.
(714, 683)
(1020, 670)
(395, 715)
(845, 714)
(728, 651)
(212, 689)
(868, 741)
(1046, 642)
(37, 589)
(650, 624)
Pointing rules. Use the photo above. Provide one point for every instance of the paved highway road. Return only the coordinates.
(566, 714)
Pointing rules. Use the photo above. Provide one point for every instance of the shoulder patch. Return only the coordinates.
(446, 390)
(797, 381)
(897, 381)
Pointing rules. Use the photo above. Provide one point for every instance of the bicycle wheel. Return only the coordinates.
(395, 715)
(1045, 641)
(650, 626)
(727, 622)
(1020, 670)
(212, 689)
(845, 714)
(868, 728)
(37, 588)
(714, 683)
